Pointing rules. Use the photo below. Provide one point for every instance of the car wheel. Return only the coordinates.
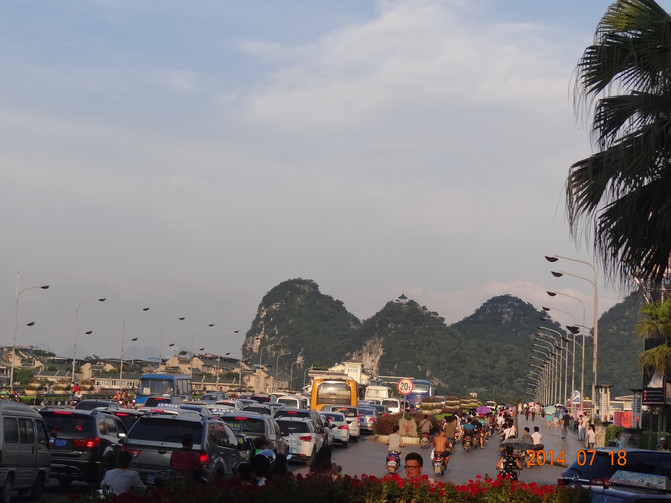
(6, 495)
(346, 444)
(38, 488)
(355, 439)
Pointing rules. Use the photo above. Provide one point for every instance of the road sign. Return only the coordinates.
(405, 386)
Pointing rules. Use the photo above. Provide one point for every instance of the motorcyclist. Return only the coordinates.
(425, 427)
(441, 445)
(395, 440)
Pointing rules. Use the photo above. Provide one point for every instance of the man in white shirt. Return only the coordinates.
(536, 436)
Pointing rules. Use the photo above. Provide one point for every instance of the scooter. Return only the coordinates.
(467, 441)
(393, 461)
(424, 441)
(439, 461)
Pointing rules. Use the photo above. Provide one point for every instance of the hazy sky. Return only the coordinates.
(190, 156)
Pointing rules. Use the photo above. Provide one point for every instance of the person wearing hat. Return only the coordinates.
(662, 444)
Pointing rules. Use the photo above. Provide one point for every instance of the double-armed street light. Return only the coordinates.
(560, 337)
(16, 325)
(261, 352)
(193, 340)
(123, 340)
(548, 309)
(277, 364)
(594, 283)
(220, 349)
(74, 346)
(291, 374)
(160, 358)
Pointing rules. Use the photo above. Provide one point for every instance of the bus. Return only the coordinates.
(422, 388)
(166, 385)
(333, 391)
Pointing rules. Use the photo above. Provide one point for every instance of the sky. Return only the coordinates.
(190, 156)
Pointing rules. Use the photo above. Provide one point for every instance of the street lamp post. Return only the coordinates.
(193, 340)
(261, 352)
(572, 354)
(595, 334)
(582, 361)
(552, 361)
(160, 357)
(291, 374)
(219, 351)
(74, 346)
(277, 367)
(16, 325)
(560, 337)
(123, 340)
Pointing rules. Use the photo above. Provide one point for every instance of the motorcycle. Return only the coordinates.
(424, 441)
(467, 442)
(439, 461)
(393, 461)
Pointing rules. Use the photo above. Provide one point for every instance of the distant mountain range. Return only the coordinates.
(487, 352)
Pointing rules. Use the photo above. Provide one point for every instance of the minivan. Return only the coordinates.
(24, 444)
(294, 402)
(394, 405)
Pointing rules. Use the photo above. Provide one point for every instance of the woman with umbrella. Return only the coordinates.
(509, 464)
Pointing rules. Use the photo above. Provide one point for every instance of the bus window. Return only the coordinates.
(333, 392)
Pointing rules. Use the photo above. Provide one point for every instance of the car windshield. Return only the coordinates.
(365, 411)
(242, 424)
(155, 429)
(289, 427)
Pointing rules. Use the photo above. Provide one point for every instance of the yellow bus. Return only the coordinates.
(333, 391)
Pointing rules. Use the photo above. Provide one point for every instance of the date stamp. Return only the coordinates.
(584, 457)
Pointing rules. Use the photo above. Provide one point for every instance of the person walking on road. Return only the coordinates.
(591, 437)
(565, 423)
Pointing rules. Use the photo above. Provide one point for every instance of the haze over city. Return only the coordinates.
(190, 157)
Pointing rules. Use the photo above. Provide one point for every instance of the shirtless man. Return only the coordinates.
(442, 444)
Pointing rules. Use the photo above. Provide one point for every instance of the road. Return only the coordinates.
(368, 457)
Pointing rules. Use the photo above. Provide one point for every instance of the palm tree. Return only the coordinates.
(623, 191)
(656, 323)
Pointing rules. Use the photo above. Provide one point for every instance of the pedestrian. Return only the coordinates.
(565, 423)
(536, 436)
(591, 437)
(121, 480)
(581, 429)
(662, 444)
(526, 436)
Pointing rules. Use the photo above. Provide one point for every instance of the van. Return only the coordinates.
(377, 392)
(26, 456)
(293, 402)
(394, 405)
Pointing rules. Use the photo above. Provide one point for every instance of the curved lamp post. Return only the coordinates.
(193, 340)
(261, 352)
(16, 325)
(123, 339)
(547, 309)
(594, 283)
(74, 346)
(560, 338)
(219, 350)
(160, 357)
(277, 367)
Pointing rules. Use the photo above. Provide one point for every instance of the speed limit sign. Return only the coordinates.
(405, 386)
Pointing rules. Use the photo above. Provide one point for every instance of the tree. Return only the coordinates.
(621, 192)
(656, 322)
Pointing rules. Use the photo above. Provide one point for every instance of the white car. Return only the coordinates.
(351, 416)
(302, 436)
(339, 425)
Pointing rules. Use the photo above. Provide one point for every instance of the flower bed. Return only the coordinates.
(391, 488)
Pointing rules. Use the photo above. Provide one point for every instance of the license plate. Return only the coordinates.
(151, 478)
(60, 442)
(391, 463)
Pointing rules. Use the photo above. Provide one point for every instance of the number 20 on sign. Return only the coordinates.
(405, 386)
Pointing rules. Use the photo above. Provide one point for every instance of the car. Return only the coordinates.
(153, 401)
(326, 432)
(302, 436)
(25, 462)
(596, 466)
(351, 415)
(84, 443)
(154, 437)
(339, 425)
(631, 487)
(233, 404)
(262, 408)
(127, 416)
(294, 402)
(394, 405)
(94, 404)
(367, 417)
(210, 398)
(261, 428)
(380, 409)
